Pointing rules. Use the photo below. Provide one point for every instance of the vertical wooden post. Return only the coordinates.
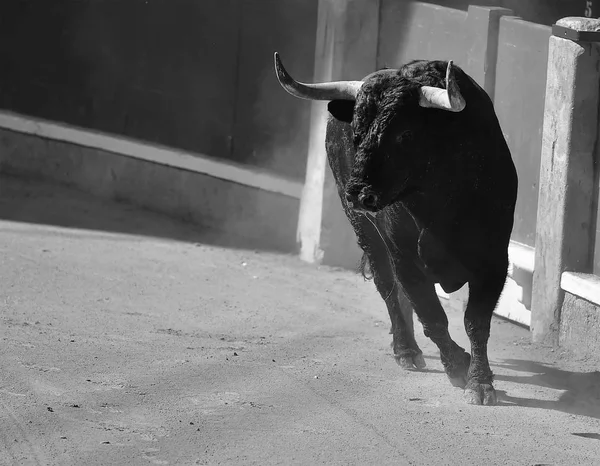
(564, 216)
(337, 240)
(347, 34)
(330, 15)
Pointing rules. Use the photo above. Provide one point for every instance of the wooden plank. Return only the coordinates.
(418, 30)
(519, 101)
(481, 43)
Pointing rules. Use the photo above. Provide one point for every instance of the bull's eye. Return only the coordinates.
(403, 136)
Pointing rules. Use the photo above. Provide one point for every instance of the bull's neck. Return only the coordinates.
(430, 208)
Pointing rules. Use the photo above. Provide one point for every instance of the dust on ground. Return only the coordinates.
(128, 338)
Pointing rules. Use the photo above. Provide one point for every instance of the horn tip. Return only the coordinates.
(282, 75)
(449, 72)
(279, 65)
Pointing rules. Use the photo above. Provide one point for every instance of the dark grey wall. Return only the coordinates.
(191, 74)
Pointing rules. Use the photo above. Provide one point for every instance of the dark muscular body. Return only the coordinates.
(431, 196)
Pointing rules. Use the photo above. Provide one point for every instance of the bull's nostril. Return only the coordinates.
(368, 200)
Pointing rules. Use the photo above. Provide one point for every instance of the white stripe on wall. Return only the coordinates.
(583, 285)
(193, 162)
(521, 256)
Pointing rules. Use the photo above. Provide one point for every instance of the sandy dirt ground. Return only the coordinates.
(131, 339)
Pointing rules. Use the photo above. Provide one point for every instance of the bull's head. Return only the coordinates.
(393, 132)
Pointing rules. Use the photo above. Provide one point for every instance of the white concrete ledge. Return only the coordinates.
(521, 256)
(583, 285)
(512, 305)
(193, 162)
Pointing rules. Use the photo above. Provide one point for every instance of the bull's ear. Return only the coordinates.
(342, 110)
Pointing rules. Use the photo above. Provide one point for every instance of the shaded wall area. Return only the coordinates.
(419, 30)
(193, 75)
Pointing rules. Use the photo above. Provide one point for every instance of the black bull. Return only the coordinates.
(427, 181)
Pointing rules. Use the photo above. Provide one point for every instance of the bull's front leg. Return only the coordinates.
(407, 353)
(483, 297)
(422, 295)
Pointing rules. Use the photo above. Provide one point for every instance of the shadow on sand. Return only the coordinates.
(581, 390)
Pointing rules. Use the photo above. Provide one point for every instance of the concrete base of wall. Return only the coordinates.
(579, 325)
(267, 218)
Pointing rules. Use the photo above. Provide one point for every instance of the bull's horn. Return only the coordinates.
(342, 90)
(446, 99)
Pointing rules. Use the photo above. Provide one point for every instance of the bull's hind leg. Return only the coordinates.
(483, 297)
(406, 350)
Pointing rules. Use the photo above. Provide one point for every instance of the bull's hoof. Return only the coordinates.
(458, 370)
(411, 361)
(419, 361)
(481, 394)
